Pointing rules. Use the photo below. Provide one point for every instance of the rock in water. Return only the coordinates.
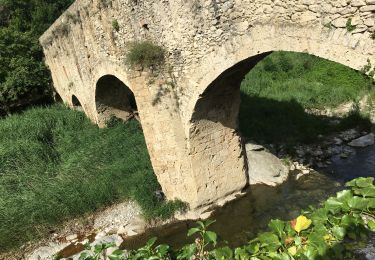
(265, 168)
(363, 141)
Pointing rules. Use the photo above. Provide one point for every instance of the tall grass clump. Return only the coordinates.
(55, 165)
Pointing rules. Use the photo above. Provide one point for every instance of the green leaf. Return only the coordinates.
(151, 242)
(118, 252)
(187, 252)
(223, 253)
(253, 247)
(209, 222)
(344, 195)
(371, 225)
(360, 182)
(192, 231)
(319, 216)
(358, 203)
(339, 232)
(83, 256)
(98, 248)
(162, 249)
(317, 241)
(277, 226)
(298, 241)
(348, 220)
(365, 192)
(270, 241)
(210, 236)
(371, 203)
(201, 224)
(333, 205)
(241, 254)
(311, 252)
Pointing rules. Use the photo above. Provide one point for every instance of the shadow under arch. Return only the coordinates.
(57, 98)
(76, 103)
(216, 147)
(114, 99)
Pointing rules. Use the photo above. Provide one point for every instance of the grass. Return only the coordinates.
(55, 165)
(277, 91)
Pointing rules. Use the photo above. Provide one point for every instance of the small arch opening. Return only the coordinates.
(76, 104)
(114, 99)
(57, 98)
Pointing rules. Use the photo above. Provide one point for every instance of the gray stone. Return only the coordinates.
(254, 147)
(108, 239)
(71, 237)
(265, 168)
(363, 141)
(47, 252)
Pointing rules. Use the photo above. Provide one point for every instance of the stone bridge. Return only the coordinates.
(188, 109)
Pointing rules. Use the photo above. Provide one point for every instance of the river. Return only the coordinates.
(240, 220)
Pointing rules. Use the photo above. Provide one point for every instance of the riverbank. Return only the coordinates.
(55, 165)
(307, 184)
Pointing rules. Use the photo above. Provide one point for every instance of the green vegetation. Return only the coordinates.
(24, 79)
(277, 92)
(145, 54)
(55, 165)
(333, 231)
(115, 25)
(349, 26)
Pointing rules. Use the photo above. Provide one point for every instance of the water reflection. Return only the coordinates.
(360, 164)
(242, 219)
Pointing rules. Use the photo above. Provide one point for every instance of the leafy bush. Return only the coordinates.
(145, 54)
(24, 79)
(330, 232)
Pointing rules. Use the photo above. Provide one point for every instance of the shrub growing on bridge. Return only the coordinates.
(145, 54)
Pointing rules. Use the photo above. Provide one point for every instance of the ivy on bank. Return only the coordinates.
(333, 231)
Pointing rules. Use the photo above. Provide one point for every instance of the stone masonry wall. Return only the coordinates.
(189, 110)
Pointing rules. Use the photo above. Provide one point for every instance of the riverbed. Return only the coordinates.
(239, 221)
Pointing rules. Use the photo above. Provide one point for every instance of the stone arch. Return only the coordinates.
(214, 144)
(114, 98)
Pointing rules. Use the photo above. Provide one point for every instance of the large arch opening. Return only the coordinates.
(114, 99)
(225, 117)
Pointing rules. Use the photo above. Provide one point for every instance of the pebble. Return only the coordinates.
(72, 237)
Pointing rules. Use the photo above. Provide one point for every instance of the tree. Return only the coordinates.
(24, 79)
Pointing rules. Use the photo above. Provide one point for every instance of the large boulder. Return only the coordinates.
(264, 167)
(363, 141)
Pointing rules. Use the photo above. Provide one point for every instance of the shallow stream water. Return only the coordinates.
(240, 220)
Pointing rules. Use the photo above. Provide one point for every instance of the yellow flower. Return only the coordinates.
(292, 250)
(301, 223)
